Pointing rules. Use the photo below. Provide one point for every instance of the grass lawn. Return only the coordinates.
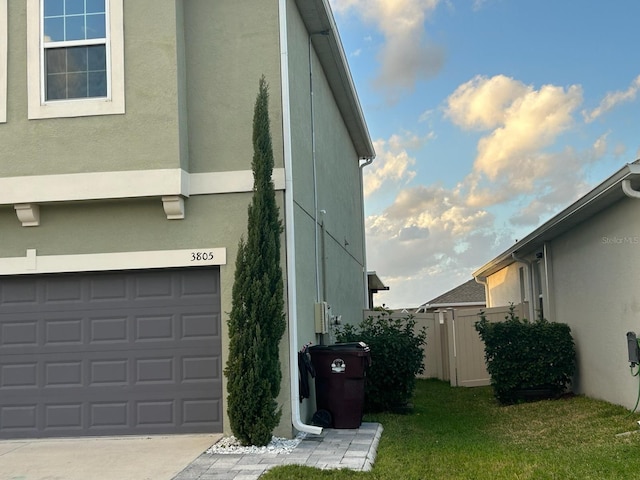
(463, 433)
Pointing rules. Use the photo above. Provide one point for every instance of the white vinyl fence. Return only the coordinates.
(454, 351)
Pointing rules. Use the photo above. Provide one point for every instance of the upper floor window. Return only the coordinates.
(75, 49)
(3, 61)
(76, 58)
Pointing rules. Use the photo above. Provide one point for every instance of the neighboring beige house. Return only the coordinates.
(470, 294)
(581, 268)
(125, 176)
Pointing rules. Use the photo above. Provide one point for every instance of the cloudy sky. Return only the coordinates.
(488, 117)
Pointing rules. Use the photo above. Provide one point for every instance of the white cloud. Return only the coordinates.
(428, 233)
(406, 55)
(613, 99)
(482, 103)
(426, 115)
(479, 4)
(620, 150)
(433, 232)
(420, 229)
(565, 184)
(393, 164)
(521, 122)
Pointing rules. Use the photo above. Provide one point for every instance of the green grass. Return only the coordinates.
(463, 433)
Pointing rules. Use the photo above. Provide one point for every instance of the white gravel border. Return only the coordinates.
(277, 445)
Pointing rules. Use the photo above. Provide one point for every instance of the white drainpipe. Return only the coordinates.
(289, 231)
(483, 281)
(367, 161)
(532, 301)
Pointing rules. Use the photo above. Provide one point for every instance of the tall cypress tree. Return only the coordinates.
(257, 322)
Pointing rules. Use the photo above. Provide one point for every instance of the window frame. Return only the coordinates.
(4, 65)
(113, 103)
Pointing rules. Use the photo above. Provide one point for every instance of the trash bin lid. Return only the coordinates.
(342, 347)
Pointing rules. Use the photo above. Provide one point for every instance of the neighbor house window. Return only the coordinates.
(76, 64)
(4, 67)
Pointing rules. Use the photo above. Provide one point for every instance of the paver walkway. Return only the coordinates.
(354, 449)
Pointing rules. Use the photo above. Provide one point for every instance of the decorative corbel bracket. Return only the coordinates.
(173, 207)
(28, 214)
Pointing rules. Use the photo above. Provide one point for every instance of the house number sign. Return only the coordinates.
(201, 256)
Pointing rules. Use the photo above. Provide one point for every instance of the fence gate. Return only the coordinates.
(466, 349)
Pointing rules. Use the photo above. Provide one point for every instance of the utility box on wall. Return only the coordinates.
(322, 317)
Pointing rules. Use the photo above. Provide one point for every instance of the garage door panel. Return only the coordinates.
(17, 333)
(119, 371)
(91, 370)
(87, 331)
(20, 291)
(167, 415)
(18, 376)
(52, 293)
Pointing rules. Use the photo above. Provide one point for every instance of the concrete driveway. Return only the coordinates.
(101, 458)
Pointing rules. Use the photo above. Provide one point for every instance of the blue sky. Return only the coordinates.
(488, 117)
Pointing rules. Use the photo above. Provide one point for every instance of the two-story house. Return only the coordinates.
(125, 176)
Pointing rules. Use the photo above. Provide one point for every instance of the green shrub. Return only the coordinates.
(396, 358)
(525, 356)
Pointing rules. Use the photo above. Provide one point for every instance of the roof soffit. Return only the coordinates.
(317, 17)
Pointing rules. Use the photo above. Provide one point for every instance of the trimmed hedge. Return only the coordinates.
(396, 358)
(527, 359)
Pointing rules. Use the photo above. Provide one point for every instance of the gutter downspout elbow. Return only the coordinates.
(628, 190)
(367, 161)
(296, 421)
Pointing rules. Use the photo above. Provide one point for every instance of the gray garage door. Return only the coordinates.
(114, 353)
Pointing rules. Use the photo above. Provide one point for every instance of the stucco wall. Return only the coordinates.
(229, 45)
(146, 137)
(504, 286)
(596, 284)
(337, 269)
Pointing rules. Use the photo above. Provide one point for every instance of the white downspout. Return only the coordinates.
(367, 161)
(532, 302)
(483, 281)
(548, 268)
(289, 230)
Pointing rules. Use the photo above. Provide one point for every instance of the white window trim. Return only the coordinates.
(114, 104)
(4, 67)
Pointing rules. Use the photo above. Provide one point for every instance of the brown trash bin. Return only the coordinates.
(340, 380)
